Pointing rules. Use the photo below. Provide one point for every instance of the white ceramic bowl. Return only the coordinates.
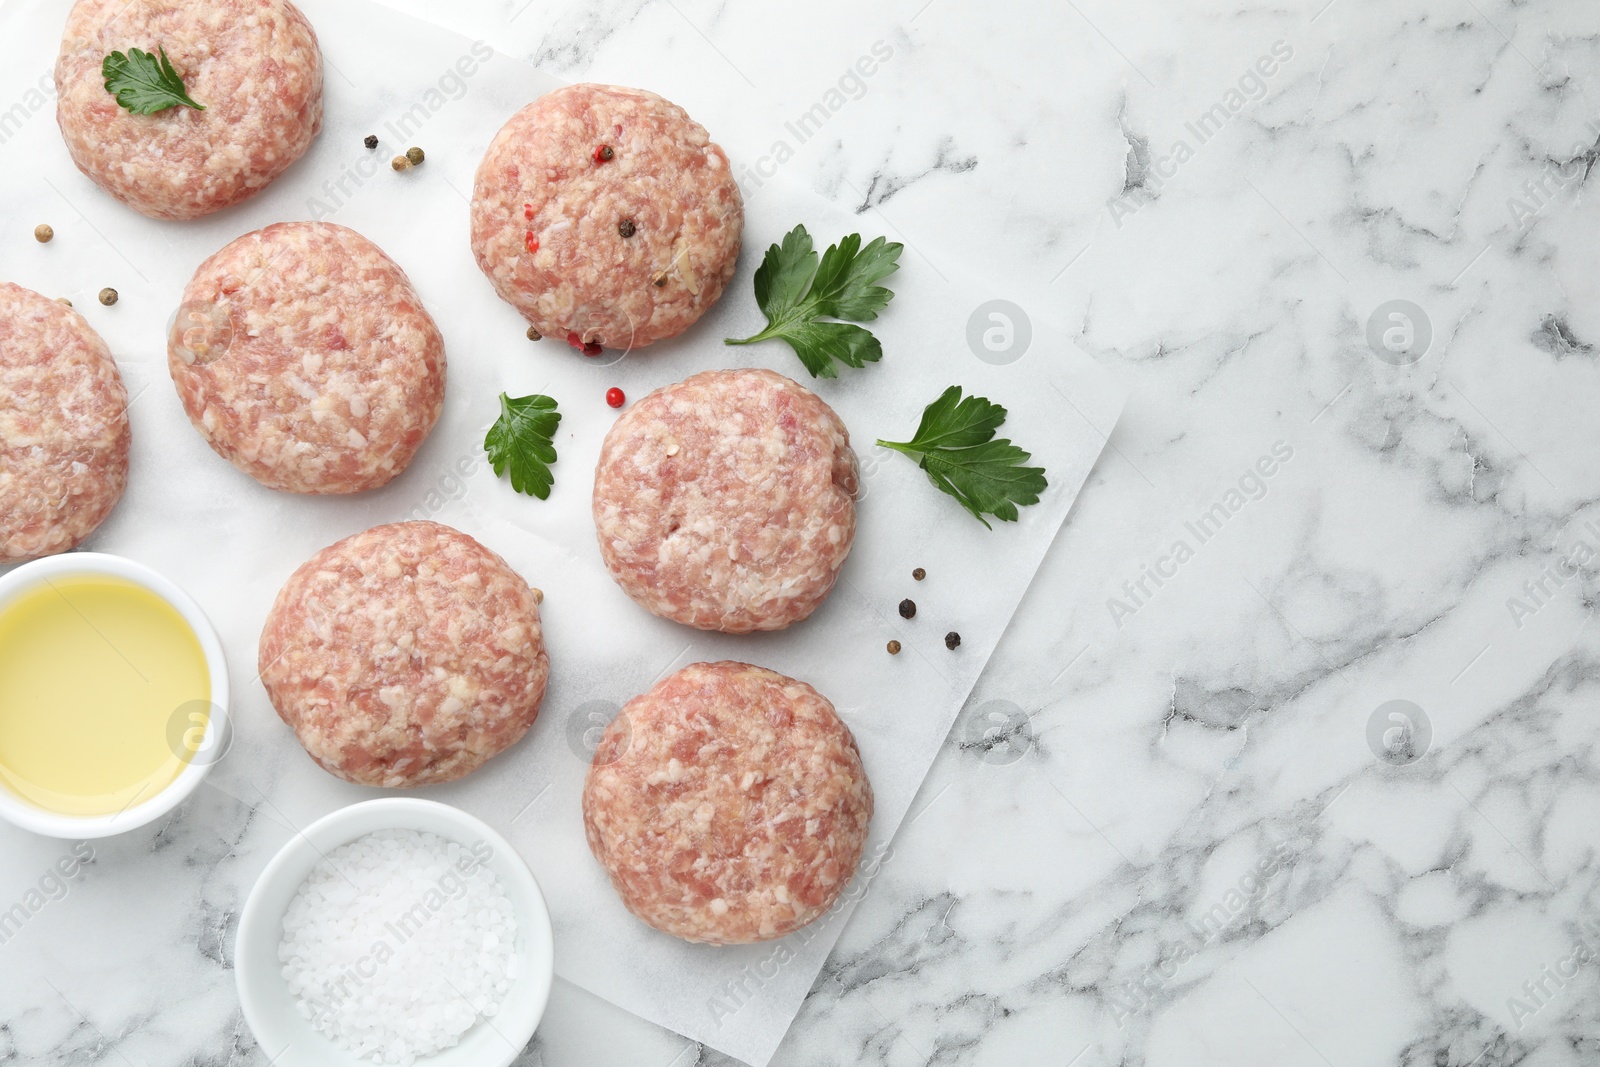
(287, 1039)
(213, 742)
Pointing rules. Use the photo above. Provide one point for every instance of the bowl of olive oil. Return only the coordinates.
(113, 695)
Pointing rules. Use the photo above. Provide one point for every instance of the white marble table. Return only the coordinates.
(1187, 849)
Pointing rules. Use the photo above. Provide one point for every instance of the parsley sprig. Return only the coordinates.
(145, 84)
(797, 294)
(955, 445)
(522, 439)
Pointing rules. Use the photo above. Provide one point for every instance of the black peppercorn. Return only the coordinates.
(908, 609)
(626, 228)
(952, 640)
(371, 140)
(919, 574)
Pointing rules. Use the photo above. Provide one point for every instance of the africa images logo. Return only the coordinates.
(1399, 333)
(200, 331)
(1399, 732)
(586, 727)
(999, 332)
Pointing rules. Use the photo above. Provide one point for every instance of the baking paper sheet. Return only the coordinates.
(231, 543)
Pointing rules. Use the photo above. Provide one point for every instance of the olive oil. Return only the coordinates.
(95, 673)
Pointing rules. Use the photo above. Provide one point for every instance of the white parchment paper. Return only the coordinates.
(232, 543)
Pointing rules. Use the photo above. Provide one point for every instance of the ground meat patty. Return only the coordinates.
(617, 252)
(727, 501)
(63, 427)
(304, 356)
(728, 804)
(406, 655)
(255, 66)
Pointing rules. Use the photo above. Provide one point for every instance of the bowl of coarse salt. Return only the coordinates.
(394, 931)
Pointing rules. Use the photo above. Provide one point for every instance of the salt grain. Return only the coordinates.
(397, 943)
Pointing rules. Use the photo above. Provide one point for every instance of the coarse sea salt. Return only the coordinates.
(397, 944)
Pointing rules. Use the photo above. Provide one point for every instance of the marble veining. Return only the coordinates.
(1180, 845)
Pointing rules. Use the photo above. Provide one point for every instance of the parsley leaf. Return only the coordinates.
(956, 445)
(795, 293)
(521, 439)
(144, 84)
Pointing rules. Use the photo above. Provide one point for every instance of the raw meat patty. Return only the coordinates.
(406, 655)
(255, 66)
(727, 501)
(728, 804)
(63, 427)
(304, 356)
(542, 186)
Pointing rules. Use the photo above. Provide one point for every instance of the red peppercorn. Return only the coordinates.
(603, 153)
(592, 348)
(615, 398)
(532, 242)
(573, 339)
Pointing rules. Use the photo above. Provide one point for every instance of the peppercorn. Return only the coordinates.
(661, 280)
(952, 640)
(63, 300)
(615, 397)
(400, 163)
(894, 648)
(415, 155)
(533, 334)
(919, 574)
(627, 228)
(908, 609)
(42, 233)
(108, 297)
(604, 154)
(371, 140)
